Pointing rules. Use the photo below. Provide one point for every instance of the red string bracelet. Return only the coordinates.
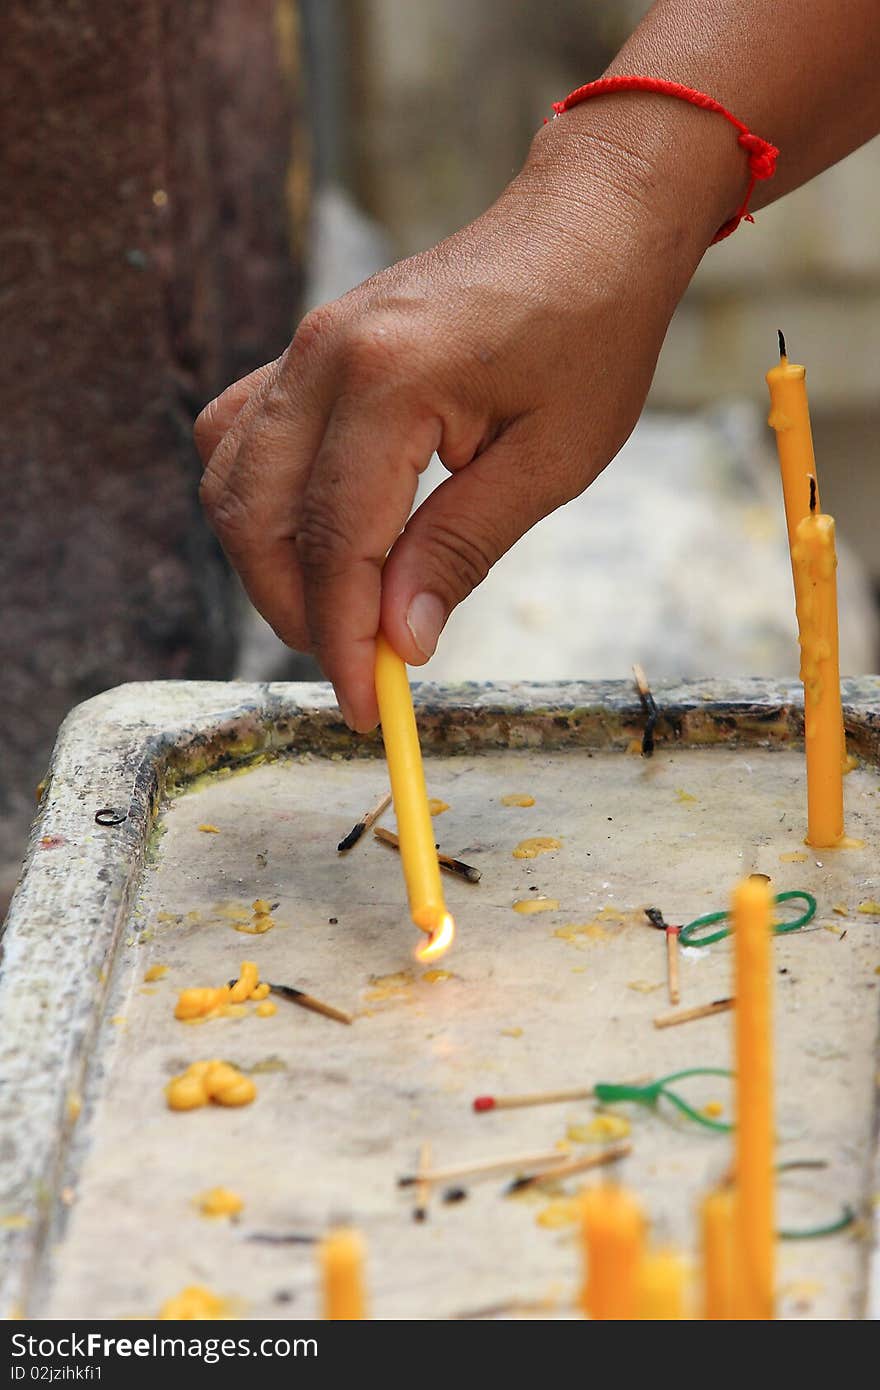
(762, 155)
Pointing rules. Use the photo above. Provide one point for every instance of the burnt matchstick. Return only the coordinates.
(452, 866)
(676, 1016)
(568, 1170)
(308, 1001)
(655, 917)
(546, 1159)
(423, 1186)
(649, 705)
(363, 825)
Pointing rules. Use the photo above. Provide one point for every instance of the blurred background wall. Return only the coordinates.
(181, 181)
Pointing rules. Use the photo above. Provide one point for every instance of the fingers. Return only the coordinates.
(468, 523)
(220, 414)
(357, 499)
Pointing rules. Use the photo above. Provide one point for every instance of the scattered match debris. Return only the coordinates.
(368, 819)
(308, 1001)
(649, 705)
(423, 1186)
(452, 866)
(676, 1016)
(453, 1195)
(567, 1170)
(656, 918)
(546, 1158)
(282, 1238)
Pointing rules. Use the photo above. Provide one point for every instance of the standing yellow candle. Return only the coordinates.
(661, 1287)
(815, 563)
(753, 1261)
(790, 418)
(341, 1258)
(613, 1235)
(421, 869)
(717, 1215)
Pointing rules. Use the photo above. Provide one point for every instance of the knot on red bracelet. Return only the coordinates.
(762, 155)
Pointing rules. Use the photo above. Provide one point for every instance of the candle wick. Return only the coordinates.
(781, 336)
(812, 494)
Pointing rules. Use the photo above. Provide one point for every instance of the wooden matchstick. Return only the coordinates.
(308, 1001)
(672, 934)
(545, 1159)
(364, 823)
(676, 1016)
(575, 1165)
(452, 866)
(483, 1104)
(649, 705)
(423, 1186)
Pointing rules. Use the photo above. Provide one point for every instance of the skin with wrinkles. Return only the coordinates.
(522, 347)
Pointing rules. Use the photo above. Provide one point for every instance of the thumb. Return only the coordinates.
(457, 534)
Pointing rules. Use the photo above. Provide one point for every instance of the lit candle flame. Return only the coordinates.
(438, 942)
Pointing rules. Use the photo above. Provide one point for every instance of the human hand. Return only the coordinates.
(520, 349)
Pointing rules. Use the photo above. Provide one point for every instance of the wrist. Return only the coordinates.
(675, 172)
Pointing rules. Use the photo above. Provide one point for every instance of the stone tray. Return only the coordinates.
(97, 1177)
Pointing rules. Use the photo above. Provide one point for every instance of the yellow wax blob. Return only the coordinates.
(201, 1002)
(209, 830)
(517, 799)
(266, 1009)
(436, 806)
(602, 1129)
(215, 1081)
(155, 972)
(246, 983)
(511, 1032)
(194, 1304)
(713, 1109)
(219, 1201)
(794, 857)
(564, 1211)
(74, 1106)
(682, 795)
(869, 908)
(436, 977)
(527, 906)
(540, 844)
(578, 933)
(644, 986)
(396, 986)
(260, 992)
(261, 921)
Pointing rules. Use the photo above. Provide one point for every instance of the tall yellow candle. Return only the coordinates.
(754, 1239)
(716, 1220)
(815, 563)
(341, 1259)
(613, 1233)
(790, 418)
(661, 1287)
(421, 869)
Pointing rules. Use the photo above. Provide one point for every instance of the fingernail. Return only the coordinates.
(345, 710)
(425, 618)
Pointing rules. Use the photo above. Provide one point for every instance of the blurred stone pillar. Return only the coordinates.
(153, 179)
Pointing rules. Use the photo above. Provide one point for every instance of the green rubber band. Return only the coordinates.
(610, 1093)
(846, 1219)
(687, 935)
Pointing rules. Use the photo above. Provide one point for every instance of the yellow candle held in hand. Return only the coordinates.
(790, 418)
(716, 1219)
(341, 1260)
(754, 1238)
(613, 1233)
(660, 1294)
(815, 564)
(418, 853)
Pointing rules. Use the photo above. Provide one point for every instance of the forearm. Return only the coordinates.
(800, 73)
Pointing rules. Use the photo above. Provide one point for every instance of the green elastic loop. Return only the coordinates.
(846, 1219)
(609, 1093)
(687, 934)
